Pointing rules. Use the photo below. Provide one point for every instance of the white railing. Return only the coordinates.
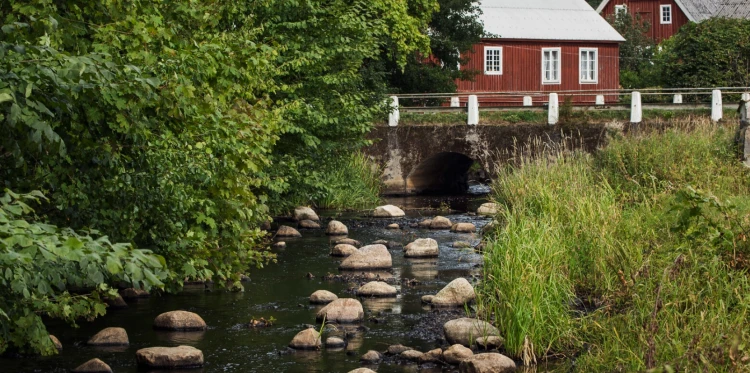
(550, 101)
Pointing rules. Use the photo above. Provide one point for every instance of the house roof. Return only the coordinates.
(546, 20)
(701, 10)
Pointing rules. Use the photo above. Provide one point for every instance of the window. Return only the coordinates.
(493, 60)
(621, 9)
(551, 66)
(589, 65)
(666, 14)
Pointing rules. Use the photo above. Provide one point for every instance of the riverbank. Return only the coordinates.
(631, 258)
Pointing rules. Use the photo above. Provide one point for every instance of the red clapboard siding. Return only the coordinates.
(522, 70)
(650, 11)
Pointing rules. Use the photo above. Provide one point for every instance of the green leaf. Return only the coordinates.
(4, 97)
(113, 265)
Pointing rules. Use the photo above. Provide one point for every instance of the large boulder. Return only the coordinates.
(287, 231)
(323, 297)
(457, 353)
(463, 228)
(110, 337)
(343, 249)
(336, 228)
(457, 293)
(487, 209)
(308, 339)
(170, 357)
(377, 289)
(388, 211)
(487, 363)
(305, 213)
(93, 366)
(422, 248)
(440, 222)
(465, 330)
(179, 320)
(368, 257)
(342, 311)
(309, 224)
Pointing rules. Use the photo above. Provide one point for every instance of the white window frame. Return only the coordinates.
(595, 68)
(559, 66)
(623, 8)
(494, 72)
(661, 14)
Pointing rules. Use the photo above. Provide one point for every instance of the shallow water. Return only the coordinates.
(281, 291)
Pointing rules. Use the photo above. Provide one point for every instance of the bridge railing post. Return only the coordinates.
(717, 108)
(455, 101)
(528, 101)
(745, 109)
(553, 109)
(394, 115)
(636, 108)
(599, 100)
(677, 99)
(473, 107)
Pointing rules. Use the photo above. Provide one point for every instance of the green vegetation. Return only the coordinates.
(636, 53)
(636, 257)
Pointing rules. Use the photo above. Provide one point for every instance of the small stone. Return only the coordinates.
(133, 293)
(397, 349)
(425, 223)
(440, 222)
(342, 310)
(343, 250)
(279, 245)
(305, 213)
(309, 224)
(465, 331)
(457, 353)
(463, 228)
(457, 293)
(56, 342)
(348, 241)
(490, 343)
(322, 297)
(287, 231)
(422, 248)
(308, 339)
(380, 242)
(179, 320)
(362, 370)
(461, 245)
(116, 303)
(431, 356)
(487, 209)
(335, 342)
(368, 257)
(377, 289)
(336, 228)
(411, 355)
(487, 363)
(388, 211)
(170, 357)
(110, 337)
(371, 356)
(93, 366)
(427, 298)
(393, 226)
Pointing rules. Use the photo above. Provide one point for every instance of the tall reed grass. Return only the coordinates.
(352, 184)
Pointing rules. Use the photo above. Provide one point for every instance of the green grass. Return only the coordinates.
(353, 184)
(633, 232)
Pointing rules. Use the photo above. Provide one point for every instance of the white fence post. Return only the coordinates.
(717, 108)
(473, 119)
(677, 99)
(553, 112)
(599, 100)
(636, 108)
(394, 115)
(745, 109)
(455, 102)
(528, 101)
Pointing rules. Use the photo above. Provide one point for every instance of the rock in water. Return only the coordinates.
(427, 298)
(461, 245)
(110, 337)
(490, 343)
(377, 289)
(116, 303)
(305, 213)
(368, 257)
(336, 228)
(179, 320)
(457, 353)
(133, 293)
(370, 357)
(279, 245)
(463, 228)
(308, 339)
(322, 297)
(422, 248)
(388, 211)
(362, 370)
(431, 356)
(343, 311)
(348, 241)
(170, 357)
(343, 250)
(397, 349)
(457, 293)
(56, 342)
(440, 222)
(425, 223)
(93, 366)
(393, 226)
(309, 224)
(287, 231)
(487, 209)
(335, 342)
(487, 363)
(465, 331)
(411, 355)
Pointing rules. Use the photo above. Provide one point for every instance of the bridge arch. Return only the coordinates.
(441, 173)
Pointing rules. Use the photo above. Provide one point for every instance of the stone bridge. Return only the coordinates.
(445, 158)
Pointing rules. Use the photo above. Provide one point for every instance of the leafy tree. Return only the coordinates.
(636, 53)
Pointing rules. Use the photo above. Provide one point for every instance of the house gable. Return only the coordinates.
(652, 12)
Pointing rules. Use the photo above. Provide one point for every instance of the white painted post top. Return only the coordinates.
(473, 107)
(599, 100)
(455, 101)
(553, 110)
(528, 101)
(394, 115)
(636, 109)
(717, 108)
(677, 99)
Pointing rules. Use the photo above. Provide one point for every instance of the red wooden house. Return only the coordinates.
(542, 46)
(667, 16)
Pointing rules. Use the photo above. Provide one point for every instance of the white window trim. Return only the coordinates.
(661, 14)
(502, 55)
(596, 69)
(559, 66)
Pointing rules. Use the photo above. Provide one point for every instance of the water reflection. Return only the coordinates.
(187, 338)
